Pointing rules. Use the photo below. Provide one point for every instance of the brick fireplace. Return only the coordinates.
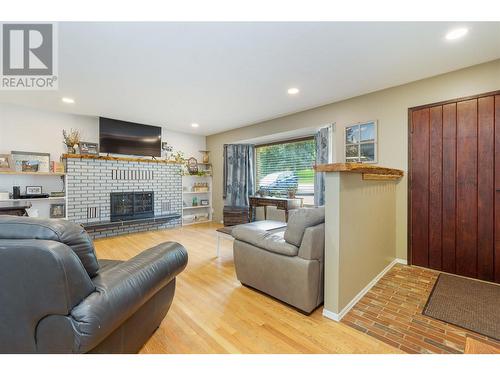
(111, 196)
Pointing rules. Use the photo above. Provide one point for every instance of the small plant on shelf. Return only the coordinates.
(178, 156)
(71, 140)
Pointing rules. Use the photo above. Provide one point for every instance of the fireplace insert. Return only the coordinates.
(132, 205)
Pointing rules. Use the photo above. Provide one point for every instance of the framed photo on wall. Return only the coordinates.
(6, 164)
(89, 148)
(58, 211)
(31, 161)
(360, 142)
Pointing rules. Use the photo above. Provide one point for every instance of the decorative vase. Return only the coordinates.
(205, 156)
(71, 150)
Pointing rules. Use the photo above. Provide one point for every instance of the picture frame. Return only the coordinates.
(89, 148)
(6, 163)
(204, 202)
(32, 162)
(192, 165)
(360, 142)
(58, 211)
(166, 147)
(30, 165)
(30, 190)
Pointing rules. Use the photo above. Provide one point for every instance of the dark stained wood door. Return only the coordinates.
(454, 188)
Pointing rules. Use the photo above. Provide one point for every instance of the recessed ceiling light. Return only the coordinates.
(68, 100)
(457, 33)
(195, 125)
(293, 91)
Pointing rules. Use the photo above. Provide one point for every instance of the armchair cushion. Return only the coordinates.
(123, 288)
(270, 241)
(38, 278)
(313, 243)
(301, 219)
(66, 232)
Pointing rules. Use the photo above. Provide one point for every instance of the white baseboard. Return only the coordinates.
(338, 317)
(401, 261)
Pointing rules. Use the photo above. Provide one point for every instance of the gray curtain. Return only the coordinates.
(322, 139)
(238, 174)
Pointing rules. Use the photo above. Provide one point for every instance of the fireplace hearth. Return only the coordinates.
(131, 205)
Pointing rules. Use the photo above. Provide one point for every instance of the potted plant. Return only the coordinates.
(71, 140)
(291, 192)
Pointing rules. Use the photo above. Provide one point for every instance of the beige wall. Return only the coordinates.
(360, 238)
(367, 234)
(389, 107)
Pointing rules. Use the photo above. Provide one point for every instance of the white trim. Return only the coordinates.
(338, 317)
(331, 130)
(331, 315)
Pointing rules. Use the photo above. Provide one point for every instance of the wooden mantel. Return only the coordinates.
(369, 172)
(114, 158)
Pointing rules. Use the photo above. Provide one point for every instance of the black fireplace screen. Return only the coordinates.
(132, 205)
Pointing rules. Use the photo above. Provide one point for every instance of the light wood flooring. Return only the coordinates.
(213, 313)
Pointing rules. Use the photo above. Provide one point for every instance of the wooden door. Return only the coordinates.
(454, 187)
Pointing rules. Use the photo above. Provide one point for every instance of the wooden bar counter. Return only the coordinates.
(369, 171)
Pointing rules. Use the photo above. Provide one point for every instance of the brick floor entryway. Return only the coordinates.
(392, 312)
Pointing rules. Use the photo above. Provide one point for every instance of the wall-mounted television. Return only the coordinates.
(129, 138)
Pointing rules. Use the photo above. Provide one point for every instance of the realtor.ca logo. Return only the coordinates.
(29, 56)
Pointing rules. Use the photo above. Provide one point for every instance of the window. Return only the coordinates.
(287, 167)
(361, 143)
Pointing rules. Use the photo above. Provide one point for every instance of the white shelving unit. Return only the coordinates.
(196, 214)
(34, 199)
(49, 181)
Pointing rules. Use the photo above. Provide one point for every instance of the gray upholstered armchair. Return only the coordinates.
(287, 264)
(56, 297)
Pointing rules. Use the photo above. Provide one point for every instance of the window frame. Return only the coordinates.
(292, 140)
(359, 143)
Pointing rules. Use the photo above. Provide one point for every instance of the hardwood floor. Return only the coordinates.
(213, 313)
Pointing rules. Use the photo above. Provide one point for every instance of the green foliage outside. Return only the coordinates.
(306, 176)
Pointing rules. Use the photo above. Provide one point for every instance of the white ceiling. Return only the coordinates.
(227, 75)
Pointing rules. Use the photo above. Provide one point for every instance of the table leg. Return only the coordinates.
(265, 212)
(218, 245)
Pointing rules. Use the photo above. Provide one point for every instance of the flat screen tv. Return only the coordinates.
(129, 138)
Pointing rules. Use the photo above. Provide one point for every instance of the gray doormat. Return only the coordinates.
(470, 304)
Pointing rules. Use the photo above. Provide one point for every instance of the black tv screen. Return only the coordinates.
(128, 138)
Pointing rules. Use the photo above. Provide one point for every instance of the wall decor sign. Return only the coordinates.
(89, 148)
(204, 202)
(31, 161)
(33, 190)
(58, 210)
(360, 142)
(6, 163)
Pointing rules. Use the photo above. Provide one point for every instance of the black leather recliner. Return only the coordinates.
(56, 297)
